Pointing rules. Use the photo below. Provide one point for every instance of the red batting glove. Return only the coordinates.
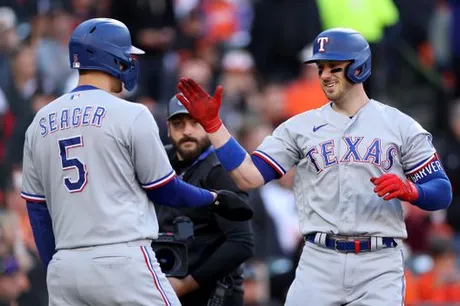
(200, 105)
(392, 186)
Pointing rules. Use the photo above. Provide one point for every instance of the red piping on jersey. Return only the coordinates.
(433, 158)
(155, 278)
(268, 161)
(33, 200)
(166, 181)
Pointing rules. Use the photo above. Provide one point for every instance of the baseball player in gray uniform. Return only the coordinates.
(356, 159)
(91, 163)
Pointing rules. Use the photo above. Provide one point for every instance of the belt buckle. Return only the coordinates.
(356, 241)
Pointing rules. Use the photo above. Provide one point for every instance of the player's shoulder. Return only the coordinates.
(125, 107)
(396, 118)
(116, 106)
(130, 107)
(391, 112)
(49, 107)
(384, 107)
(40, 114)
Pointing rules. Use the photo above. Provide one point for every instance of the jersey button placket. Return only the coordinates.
(344, 186)
(342, 183)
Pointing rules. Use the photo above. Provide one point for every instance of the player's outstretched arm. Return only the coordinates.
(235, 160)
(177, 193)
(205, 110)
(160, 182)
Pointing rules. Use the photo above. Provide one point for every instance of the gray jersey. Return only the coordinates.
(336, 156)
(89, 155)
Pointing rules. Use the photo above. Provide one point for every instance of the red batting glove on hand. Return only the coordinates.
(200, 105)
(392, 186)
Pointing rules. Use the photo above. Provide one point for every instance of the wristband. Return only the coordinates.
(213, 125)
(231, 155)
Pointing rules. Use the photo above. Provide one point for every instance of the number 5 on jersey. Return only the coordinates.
(73, 163)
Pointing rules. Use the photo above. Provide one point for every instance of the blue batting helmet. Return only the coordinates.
(103, 44)
(341, 44)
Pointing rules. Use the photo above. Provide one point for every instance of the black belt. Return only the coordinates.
(346, 246)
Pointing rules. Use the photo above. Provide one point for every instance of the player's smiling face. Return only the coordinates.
(333, 80)
(188, 136)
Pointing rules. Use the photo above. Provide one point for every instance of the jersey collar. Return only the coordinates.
(84, 87)
(342, 121)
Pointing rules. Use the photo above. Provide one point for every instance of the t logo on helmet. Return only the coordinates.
(322, 41)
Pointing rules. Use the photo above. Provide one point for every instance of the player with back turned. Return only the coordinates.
(92, 162)
(356, 159)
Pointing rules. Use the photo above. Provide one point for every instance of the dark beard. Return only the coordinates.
(190, 156)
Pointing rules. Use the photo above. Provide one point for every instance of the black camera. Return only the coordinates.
(171, 249)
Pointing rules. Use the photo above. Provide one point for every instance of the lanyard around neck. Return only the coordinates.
(202, 156)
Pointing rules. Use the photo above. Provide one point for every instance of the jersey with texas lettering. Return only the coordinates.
(337, 155)
(88, 154)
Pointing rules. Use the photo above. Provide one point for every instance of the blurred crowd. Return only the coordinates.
(254, 48)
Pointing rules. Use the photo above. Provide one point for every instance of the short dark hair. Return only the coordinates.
(83, 71)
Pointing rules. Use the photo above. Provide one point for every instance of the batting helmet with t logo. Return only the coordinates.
(104, 44)
(342, 44)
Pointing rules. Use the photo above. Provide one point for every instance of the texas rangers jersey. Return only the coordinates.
(336, 156)
(88, 154)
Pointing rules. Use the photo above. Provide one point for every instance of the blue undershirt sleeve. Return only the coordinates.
(177, 193)
(434, 194)
(433, 185)
(265, 169)
(42, 228)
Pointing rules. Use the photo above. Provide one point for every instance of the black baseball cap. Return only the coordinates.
(175, 107)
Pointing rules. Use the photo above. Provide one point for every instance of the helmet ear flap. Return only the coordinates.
(363, 66)
(130, 74)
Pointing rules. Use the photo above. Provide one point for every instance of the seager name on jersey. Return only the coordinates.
(89, 115)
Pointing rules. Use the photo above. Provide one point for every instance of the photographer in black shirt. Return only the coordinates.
(219, 247)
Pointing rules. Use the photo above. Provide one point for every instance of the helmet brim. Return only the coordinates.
(135, 50)
(327, 57)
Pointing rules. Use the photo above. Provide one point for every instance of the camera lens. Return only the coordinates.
(166, 259)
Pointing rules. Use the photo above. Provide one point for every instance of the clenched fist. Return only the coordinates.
(390, 186)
